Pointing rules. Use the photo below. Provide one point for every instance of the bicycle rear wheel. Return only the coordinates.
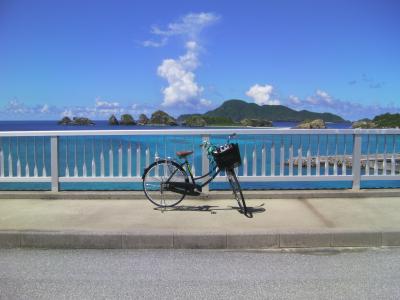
(158, 178)
(237, 192)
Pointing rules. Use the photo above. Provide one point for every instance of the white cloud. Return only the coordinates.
(101, 109)
(320, 97)
(16, 107)
(294, 100)
(150, 43)
(45, 109)
(182, 88)
(105, 108)
(321, 101)
(262, 94)
(189, 26)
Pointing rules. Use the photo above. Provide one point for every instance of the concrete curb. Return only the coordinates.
(213, 195)
(198, 240)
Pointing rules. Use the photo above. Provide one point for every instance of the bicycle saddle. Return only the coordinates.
(183, 154)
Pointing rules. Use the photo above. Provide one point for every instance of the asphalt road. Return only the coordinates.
(199, 274)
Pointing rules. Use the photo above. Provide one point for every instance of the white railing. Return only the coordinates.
(268, 155)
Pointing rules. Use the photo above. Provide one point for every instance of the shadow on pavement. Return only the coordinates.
(210, 208)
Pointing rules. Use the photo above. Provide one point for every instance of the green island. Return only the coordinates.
(241, 113)
(387, 120)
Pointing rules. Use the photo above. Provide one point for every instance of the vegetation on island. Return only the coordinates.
(238, 110)
(162, 118)
(127, 119)
(157, 118)
(256, 123)
(143, 119)
(82, 121)
(201, 121)
(312, 124)
(364, 123)
(387, 120)
(113, 120)
(381, 121)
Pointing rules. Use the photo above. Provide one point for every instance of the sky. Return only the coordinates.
(97, 58)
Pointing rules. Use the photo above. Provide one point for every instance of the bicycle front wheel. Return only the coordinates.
(237, 191)
(158, 178)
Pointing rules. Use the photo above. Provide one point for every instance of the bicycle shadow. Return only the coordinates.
(213, 209)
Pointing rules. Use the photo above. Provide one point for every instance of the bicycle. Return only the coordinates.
(166, 182)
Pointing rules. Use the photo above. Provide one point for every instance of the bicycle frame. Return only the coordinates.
(186, 166)
(214, 170)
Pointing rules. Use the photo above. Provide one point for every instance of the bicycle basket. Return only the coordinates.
(227, 156)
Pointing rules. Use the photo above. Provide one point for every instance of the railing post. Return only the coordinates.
(205, 164)
(54, 163)
(356, 163)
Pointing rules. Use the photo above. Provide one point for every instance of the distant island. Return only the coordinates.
(241, 113)
(381, 121)
(76, 121)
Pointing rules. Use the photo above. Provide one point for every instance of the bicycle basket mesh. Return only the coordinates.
(229, 157)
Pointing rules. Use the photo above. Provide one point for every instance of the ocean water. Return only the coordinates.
(81, 150)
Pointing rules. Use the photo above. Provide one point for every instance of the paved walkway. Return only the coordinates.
(201, 223)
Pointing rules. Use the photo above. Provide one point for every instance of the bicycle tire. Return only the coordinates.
(237, 192)
(153, 186)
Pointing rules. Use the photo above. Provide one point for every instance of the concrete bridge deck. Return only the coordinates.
(302, 220)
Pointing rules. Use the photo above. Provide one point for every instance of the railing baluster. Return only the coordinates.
(27, 171)
(147, 156)
(344, 171)
(111, 159)
(10, 162)
(393, 160)
(1, 158)
(193, 168)
(291, 156)
(66, 158)
(367, 167)
(138, 160)
(309, 156)
(318, 158)
(356, 162)
(18, 160)
(76, 174)
(263, 161)
(384, 164)
(335, 161)
(245, 161)
(129, 159)
(282, 158)
(300, 159)
(376, 156)
(254, 171)
(44, 172)
(157, 157)
(273, 157)
(327, 157)
(102, 166)
(84, 169)
(93, 160)
(35, 168)
(120, 159)
(54, 163)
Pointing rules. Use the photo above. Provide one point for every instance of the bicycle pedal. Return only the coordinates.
(198, 187)
(192, 193)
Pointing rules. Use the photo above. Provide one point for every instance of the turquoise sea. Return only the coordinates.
(77, 150)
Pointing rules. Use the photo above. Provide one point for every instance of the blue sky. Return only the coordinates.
(96, 58)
